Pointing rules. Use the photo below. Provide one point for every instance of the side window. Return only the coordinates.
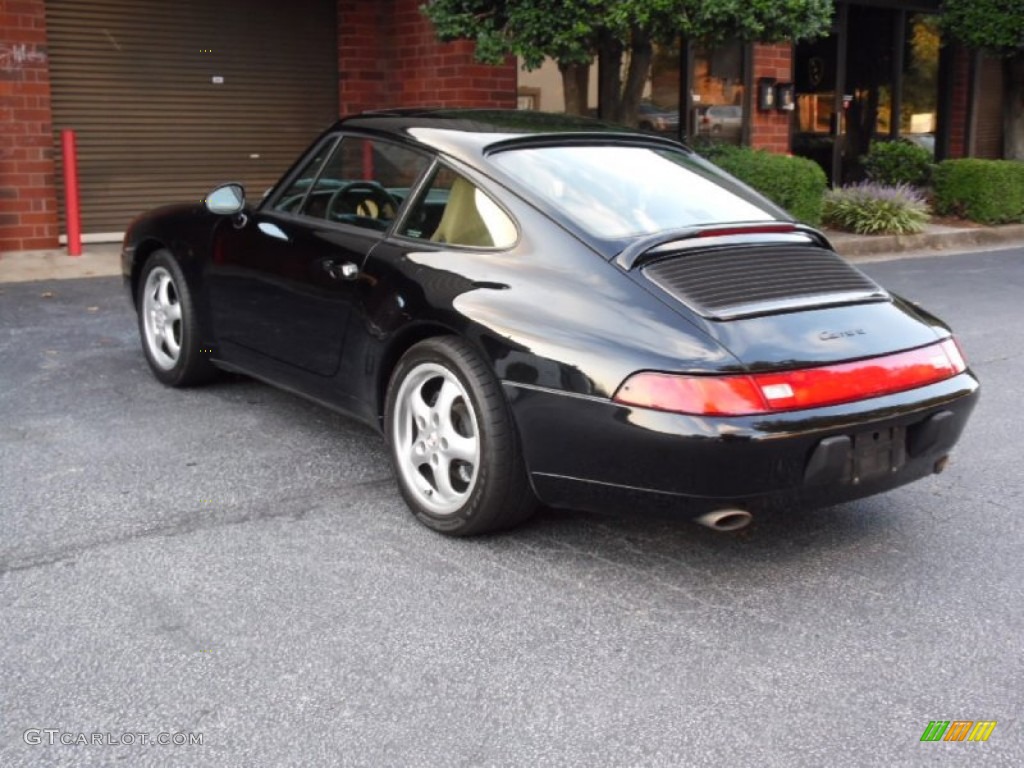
(364, 182)
(291, 199)
(453, 210)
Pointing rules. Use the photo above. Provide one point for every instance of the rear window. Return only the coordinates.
(615, 191)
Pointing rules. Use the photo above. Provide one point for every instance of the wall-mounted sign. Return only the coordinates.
(766, 93)
(784, 98)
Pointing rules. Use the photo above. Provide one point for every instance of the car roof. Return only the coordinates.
(470, 132)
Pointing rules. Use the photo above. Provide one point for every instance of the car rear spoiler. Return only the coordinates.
(644, 248)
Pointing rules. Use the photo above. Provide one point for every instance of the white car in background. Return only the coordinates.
(720, 118)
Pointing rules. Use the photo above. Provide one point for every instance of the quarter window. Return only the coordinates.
(454, 210)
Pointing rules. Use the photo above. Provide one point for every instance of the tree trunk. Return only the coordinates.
(575, 84)
(1013, 108)
(609, 73)
(641, 53)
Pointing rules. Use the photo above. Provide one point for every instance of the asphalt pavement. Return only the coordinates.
(234, 564)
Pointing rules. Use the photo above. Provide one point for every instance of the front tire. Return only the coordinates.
(453, 443)
(169, 324)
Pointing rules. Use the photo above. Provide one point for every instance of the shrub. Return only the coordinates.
(989, 191)
(711, 149)
(794, 183)
(874, 209)
(898, 162)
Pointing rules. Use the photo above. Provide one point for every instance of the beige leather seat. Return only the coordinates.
(461, 223)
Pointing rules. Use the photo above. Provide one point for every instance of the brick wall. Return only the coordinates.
(364, 34)
(445, 74)
(28, 196)
(389, 56)
(770, 130)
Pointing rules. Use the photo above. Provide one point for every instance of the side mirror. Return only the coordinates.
(226, 200)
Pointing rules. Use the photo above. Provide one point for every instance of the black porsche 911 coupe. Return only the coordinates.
(536, 308)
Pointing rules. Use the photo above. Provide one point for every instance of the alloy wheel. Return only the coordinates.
(161, 313)
(436, 438)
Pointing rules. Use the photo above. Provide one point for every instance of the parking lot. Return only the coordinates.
(235, 562)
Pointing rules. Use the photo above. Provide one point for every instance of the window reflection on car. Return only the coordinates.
(624, 191)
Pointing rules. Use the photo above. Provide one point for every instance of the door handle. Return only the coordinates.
(341, 270)
(272, 230)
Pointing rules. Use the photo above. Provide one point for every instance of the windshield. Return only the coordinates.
(616, 191)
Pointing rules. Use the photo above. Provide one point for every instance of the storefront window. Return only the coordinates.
(921, 81)
(543, 89)
(717, 93)
(658, 107)
(814, 118)
(920, 78)
(891, 64)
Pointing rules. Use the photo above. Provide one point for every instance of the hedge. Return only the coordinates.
(898, 162)
(794, 183)
(988, 191)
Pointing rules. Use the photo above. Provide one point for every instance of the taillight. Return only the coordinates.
(710, 395)
(788, 390)
(956, 356)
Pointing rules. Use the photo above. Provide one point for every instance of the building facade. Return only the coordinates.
(170, 97)
(884, 72)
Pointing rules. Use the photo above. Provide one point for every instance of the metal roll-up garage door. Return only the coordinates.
(172, 97)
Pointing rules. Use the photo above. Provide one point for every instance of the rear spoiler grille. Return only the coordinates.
(727, 283)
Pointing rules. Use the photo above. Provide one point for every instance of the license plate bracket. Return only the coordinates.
(878, 452)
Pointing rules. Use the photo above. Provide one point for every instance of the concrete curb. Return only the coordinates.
(946, 240)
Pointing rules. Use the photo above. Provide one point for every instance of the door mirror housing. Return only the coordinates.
(226, 200)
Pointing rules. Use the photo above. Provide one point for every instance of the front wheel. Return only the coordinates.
(169, 324)
(453, 442)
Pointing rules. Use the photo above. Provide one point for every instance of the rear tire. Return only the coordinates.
(453, 441)
(169, 325)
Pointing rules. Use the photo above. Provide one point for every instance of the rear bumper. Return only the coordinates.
(590, 453)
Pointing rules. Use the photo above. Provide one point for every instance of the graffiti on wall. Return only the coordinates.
(14, 58)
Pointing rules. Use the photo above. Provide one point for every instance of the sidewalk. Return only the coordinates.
(103, 259)
(97, 260)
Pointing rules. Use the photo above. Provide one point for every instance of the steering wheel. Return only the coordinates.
(362, 199)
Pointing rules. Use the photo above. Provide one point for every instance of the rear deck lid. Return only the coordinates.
(734, 282)
(779, 306)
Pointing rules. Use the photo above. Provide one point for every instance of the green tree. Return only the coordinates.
(620, 34)
(996, 26)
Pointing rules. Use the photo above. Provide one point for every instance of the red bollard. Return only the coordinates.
(72, 212)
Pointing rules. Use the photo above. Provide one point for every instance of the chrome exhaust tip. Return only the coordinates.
(726, 519)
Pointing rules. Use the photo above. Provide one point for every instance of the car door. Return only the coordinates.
(282, 279)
